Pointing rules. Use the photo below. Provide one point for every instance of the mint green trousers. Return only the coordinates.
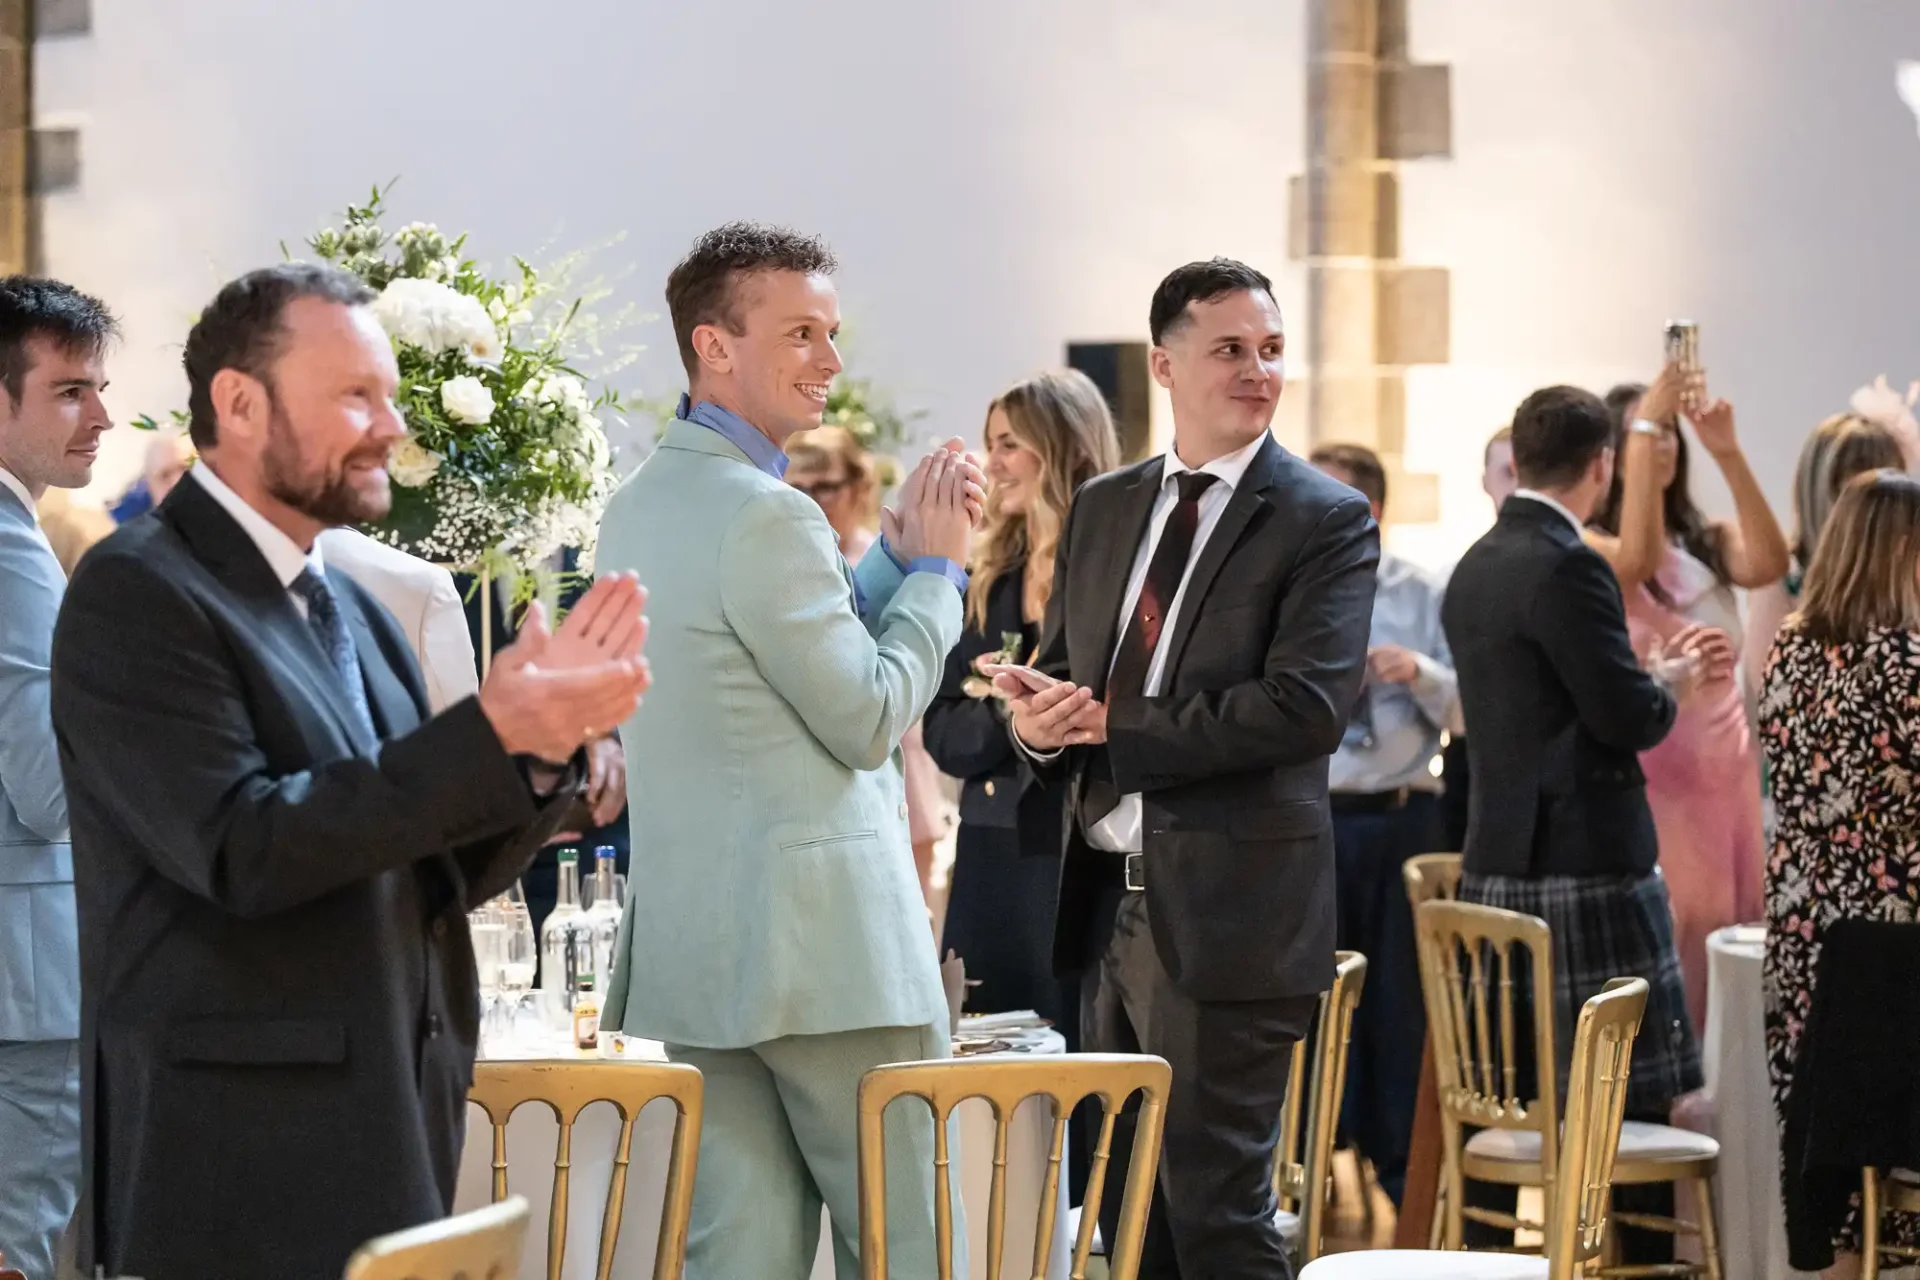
(782, 1138)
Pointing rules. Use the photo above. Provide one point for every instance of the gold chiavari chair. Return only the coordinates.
(1004, 1083)
(1432, 876)
(1898, 1191)
(568, 1088)
(482, 1245)
(1302, 1184)
(1577, 1225)
(1469, 974)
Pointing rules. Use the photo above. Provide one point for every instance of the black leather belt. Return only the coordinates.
(1124, 871)
(1371, 801)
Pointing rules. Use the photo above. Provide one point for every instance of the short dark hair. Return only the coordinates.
(1359, 462)
(1199, 282)
(241, 329)
(35, 307)
(701, 287)
(1557, 433)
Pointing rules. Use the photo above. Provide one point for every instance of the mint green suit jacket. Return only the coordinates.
(772, 889)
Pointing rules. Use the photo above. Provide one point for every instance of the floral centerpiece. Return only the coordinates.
(506, 459)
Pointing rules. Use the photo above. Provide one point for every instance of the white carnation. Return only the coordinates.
(435, 318)
(467, 400)
(412, 464)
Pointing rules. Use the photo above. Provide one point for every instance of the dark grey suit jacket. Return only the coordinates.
(278, 998)
(1556, 705)
(1262, 670)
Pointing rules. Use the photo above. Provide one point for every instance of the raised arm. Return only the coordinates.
(147, 705)
(1297, 709)
(783, 594)
(1753, 543)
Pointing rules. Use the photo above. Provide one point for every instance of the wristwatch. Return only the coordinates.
(1640, 426)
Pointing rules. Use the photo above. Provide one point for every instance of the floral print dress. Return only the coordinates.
(1840, 724)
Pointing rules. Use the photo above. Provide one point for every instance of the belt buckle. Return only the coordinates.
(1136, 873)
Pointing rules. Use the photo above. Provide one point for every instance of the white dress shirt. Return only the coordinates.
(1119, 831)
(12, 482)
(1541, 498)
(283, 555)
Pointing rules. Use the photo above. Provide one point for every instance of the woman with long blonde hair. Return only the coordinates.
(1045, 437)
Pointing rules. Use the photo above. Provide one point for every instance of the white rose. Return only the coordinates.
(436, 318)
(467, 400)
(412, 464)
(498, 310)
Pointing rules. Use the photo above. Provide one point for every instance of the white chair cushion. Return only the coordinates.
(1414, 1264)
(1289, 1224)
(1638, 1141)
(1906, 1177)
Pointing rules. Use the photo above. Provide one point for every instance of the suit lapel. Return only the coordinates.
(1115, 566)
(1248, 500)
(229, 554)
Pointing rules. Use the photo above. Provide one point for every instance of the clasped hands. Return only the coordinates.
(551, 692)
(1048, 714)
(940, 505)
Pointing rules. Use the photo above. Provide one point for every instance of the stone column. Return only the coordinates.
(1368, 315)
(16, 122)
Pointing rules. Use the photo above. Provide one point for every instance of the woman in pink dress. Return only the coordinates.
(1679, 569)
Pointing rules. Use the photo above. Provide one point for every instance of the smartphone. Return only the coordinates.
(1683, 344)
(1036, 681)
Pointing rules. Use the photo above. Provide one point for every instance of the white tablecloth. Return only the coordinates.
(530, 1146)
(1753, 1228)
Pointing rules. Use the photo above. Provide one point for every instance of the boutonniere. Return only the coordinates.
(979, 686)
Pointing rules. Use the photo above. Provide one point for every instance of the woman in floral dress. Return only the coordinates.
(1841, 728)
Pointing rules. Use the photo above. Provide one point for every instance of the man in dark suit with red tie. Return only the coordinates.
(1207, 633)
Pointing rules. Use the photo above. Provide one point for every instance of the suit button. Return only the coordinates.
(439, 927)
(989, 786)
(903, 808)
(433, 1024)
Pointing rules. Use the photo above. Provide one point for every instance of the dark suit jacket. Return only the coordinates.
(1556, 706)
(278, 1000)
(1263, 666)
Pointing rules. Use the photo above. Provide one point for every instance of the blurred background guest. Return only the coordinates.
(1840, 715)
(169, 454)
(1386, 810)
(1679, 569)
(1044, 438)
(71, 526)
(1497, 481)
(829, 466)
(1840, 448)
(423, 600)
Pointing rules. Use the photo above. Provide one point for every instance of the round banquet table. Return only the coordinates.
(530, 1148)
(1753, 1227)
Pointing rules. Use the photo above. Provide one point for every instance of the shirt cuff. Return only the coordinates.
(938, 565)
(1033, 753)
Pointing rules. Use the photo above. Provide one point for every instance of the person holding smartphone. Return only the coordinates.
(1207, 631)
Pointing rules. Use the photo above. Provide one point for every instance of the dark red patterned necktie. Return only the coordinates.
(1168, 567)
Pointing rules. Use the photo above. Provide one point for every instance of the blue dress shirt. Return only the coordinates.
(1402, 722)
(763, 453)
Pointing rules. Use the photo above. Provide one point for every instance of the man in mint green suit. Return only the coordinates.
(775, 935)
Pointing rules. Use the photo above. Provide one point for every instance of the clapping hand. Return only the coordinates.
(1057, 716)
(940, 504)
(547, 695)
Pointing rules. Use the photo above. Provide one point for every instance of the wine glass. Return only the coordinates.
(519, 957)
(488, 929)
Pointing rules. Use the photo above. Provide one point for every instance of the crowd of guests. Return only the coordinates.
(1198, 720)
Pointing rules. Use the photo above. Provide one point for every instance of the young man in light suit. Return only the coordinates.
(52, 344)
(775, 936)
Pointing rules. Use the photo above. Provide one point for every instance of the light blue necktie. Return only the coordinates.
(330, 629)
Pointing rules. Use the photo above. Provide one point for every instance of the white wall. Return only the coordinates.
(1000, 176)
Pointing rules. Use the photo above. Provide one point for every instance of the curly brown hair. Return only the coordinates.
(701, 287)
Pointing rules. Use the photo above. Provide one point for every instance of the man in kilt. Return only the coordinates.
(1557, 710)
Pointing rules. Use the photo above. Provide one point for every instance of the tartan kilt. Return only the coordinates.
(1610, 927)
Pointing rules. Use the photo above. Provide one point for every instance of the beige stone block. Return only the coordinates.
(1342, 300)
(53, 161)
(1391, 30)
(1344, 408)
(1390, 420)
(1343, 27)
(1412, 497)
(16, 22)
(1386, 214)
(1341, 212)
(1343, 104)
(1413, 315)
(62, 18)
(1414, 120)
